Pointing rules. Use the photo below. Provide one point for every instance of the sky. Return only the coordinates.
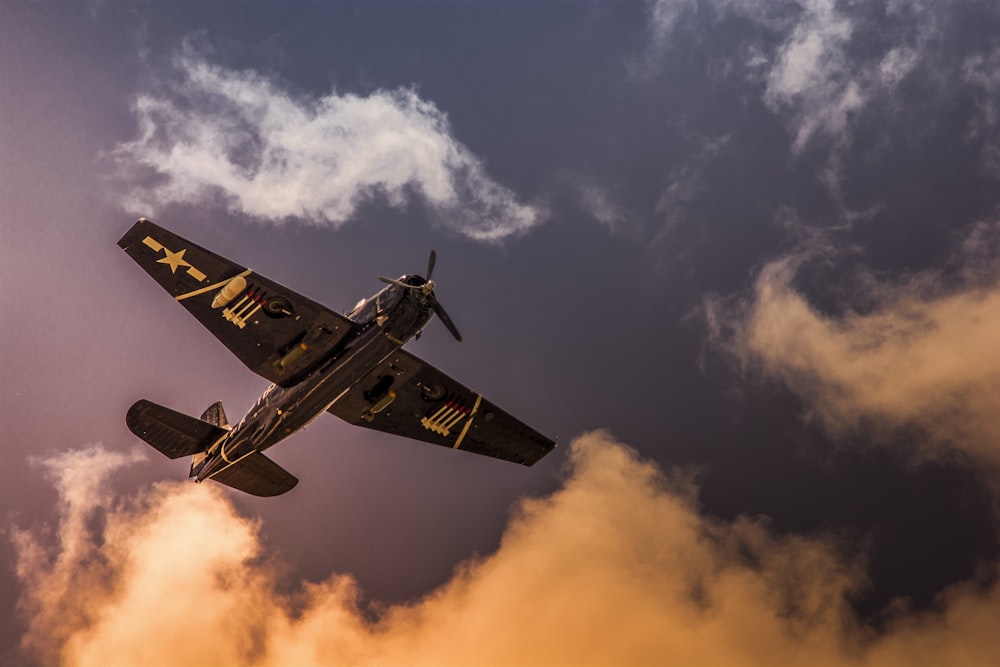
(739, 257)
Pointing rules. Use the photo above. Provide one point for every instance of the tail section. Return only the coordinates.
(174, 434)
(214, 414)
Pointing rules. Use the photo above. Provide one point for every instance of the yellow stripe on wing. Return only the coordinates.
(217, 285)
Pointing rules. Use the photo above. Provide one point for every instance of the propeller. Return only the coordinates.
(430, 264)
(427, 289)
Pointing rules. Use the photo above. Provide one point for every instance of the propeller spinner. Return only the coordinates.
(427, 289)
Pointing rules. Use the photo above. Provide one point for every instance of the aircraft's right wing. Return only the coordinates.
(409, 397)
(277, 333)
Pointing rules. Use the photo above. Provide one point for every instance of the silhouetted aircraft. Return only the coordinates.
(352, 366)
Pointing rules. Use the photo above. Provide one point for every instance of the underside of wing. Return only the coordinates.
(277, 333)
(257, 475)
(409, 397)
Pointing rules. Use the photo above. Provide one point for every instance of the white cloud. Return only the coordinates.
(686, 184)
(810, 77)
(616, 567)
(601, 204)
(662, 19)
(897, 65)
(275, 156)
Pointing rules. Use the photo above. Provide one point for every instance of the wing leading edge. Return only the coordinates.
(408, 397)
(277, 333)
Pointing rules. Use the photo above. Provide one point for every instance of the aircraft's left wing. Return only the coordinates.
(277, 333)
(409, 397)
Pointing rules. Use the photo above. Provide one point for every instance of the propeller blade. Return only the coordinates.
(446, 321)
(397, 283)
(430, 264)
(428, 289)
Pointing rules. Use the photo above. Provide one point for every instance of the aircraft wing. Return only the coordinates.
(409, 397)
(277, 333)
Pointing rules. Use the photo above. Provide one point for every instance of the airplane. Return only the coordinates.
(352, 366)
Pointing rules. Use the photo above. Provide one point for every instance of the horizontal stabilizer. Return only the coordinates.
(257, 475)
(172, 433)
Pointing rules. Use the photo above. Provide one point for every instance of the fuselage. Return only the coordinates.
(382, 324)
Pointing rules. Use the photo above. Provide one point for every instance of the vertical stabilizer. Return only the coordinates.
(214, 414)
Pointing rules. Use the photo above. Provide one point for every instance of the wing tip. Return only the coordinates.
(126, 240)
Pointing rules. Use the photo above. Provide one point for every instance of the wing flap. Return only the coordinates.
(408, 397)
(172, 433)
(257, 475)
(277, 333)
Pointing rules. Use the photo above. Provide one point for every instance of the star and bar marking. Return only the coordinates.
(175, 260)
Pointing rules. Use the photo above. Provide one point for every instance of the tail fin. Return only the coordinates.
(174, 434)
(214, 414)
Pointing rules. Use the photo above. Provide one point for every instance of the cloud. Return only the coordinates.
(687, 183)
(618, 566)
(601, 204)
(809, 77)
(804, 58)
(275, 156)
(919, 353)
(980, 72)
(662, 19)
(78, 477)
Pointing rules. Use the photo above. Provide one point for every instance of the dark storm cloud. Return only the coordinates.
(618, 566)
(275, 156)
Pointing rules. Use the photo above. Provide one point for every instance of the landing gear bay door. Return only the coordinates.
(278, 334)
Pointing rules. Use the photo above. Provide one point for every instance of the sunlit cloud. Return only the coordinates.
(618, 566)
(238, 138)
(918, 353)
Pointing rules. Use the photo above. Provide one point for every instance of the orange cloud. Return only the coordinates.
(616, 567)
(923, 356)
